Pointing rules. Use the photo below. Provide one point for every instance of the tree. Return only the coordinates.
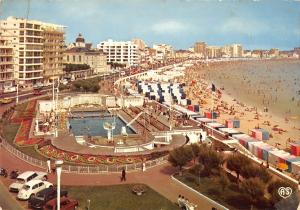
(236, 162)
(253, 187)
(224, 181)
(263, 174)
(195, 151)
(178, 157)
(192, 151)
(248, 171)
(210, 159)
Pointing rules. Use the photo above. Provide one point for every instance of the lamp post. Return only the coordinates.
(58, 165)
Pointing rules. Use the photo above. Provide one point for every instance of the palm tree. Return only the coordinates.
(254, 187)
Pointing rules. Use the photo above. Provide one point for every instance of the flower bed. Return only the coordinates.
(26, 114)
(139, 189)
(55, 153)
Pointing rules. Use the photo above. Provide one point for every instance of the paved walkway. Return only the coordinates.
(157, 178)
(7, 202)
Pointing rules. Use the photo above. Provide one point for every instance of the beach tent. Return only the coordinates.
(296, 167)
(244, 139)
(210, 115)
(216, 125)
(289, 160)
(232, 123)
(204, 120)
(295, 148)
(260, 134)
(275, 156)
(230, 131)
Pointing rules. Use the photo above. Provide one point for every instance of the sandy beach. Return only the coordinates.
(245, 88)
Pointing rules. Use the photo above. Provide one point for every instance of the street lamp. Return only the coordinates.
(58, 165)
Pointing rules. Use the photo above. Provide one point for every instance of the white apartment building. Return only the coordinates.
(37, 49)
(120, 52)
(163, 51)
(6, 65)
(233, 50)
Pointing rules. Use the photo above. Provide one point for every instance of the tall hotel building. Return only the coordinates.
(6, 65)
(37, 49)
(120, 52)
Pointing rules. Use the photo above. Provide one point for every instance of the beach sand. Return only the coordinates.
(246, 88)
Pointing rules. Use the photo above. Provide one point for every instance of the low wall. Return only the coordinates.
(108, 101)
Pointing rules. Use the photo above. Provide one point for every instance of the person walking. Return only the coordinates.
(48, 165)
(123, 175)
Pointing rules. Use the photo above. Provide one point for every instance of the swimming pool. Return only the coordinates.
(91, 123)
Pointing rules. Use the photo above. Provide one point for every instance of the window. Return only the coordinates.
(35, 186)
(73, 58)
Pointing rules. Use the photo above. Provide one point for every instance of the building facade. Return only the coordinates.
(6, 65)
(233, 51)
(213, 52)
(200, 49)
(120, 52)
(36, 49)
(163, 52)
(53, 37)
(82, 53)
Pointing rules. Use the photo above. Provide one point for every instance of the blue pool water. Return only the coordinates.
(93, 126)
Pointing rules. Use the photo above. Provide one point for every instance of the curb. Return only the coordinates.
(200, 194)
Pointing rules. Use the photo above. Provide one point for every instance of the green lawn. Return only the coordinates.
(231, 197)
(119, 197)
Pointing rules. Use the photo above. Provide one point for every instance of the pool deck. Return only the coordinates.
(67, 142)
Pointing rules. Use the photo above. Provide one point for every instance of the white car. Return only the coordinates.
(26, 177)
(32, 187)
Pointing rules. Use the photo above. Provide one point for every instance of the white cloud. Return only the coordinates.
(167, 27)
(244, 26)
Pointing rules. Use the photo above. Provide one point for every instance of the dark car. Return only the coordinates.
(42, 197)
(65, 204)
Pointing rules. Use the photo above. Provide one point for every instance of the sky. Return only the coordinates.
(256, 24)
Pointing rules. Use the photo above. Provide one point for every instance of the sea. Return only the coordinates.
(271, 84)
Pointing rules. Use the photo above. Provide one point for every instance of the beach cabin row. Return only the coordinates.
(260, 134)
(279, 158)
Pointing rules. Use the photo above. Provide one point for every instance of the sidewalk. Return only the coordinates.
(7, 202)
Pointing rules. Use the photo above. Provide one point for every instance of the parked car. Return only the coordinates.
(3, 172)
(32, 187)
(6, 100)
(26, 177)
(14, 174)
(41, 198)
(10, 89)
(65, 204)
